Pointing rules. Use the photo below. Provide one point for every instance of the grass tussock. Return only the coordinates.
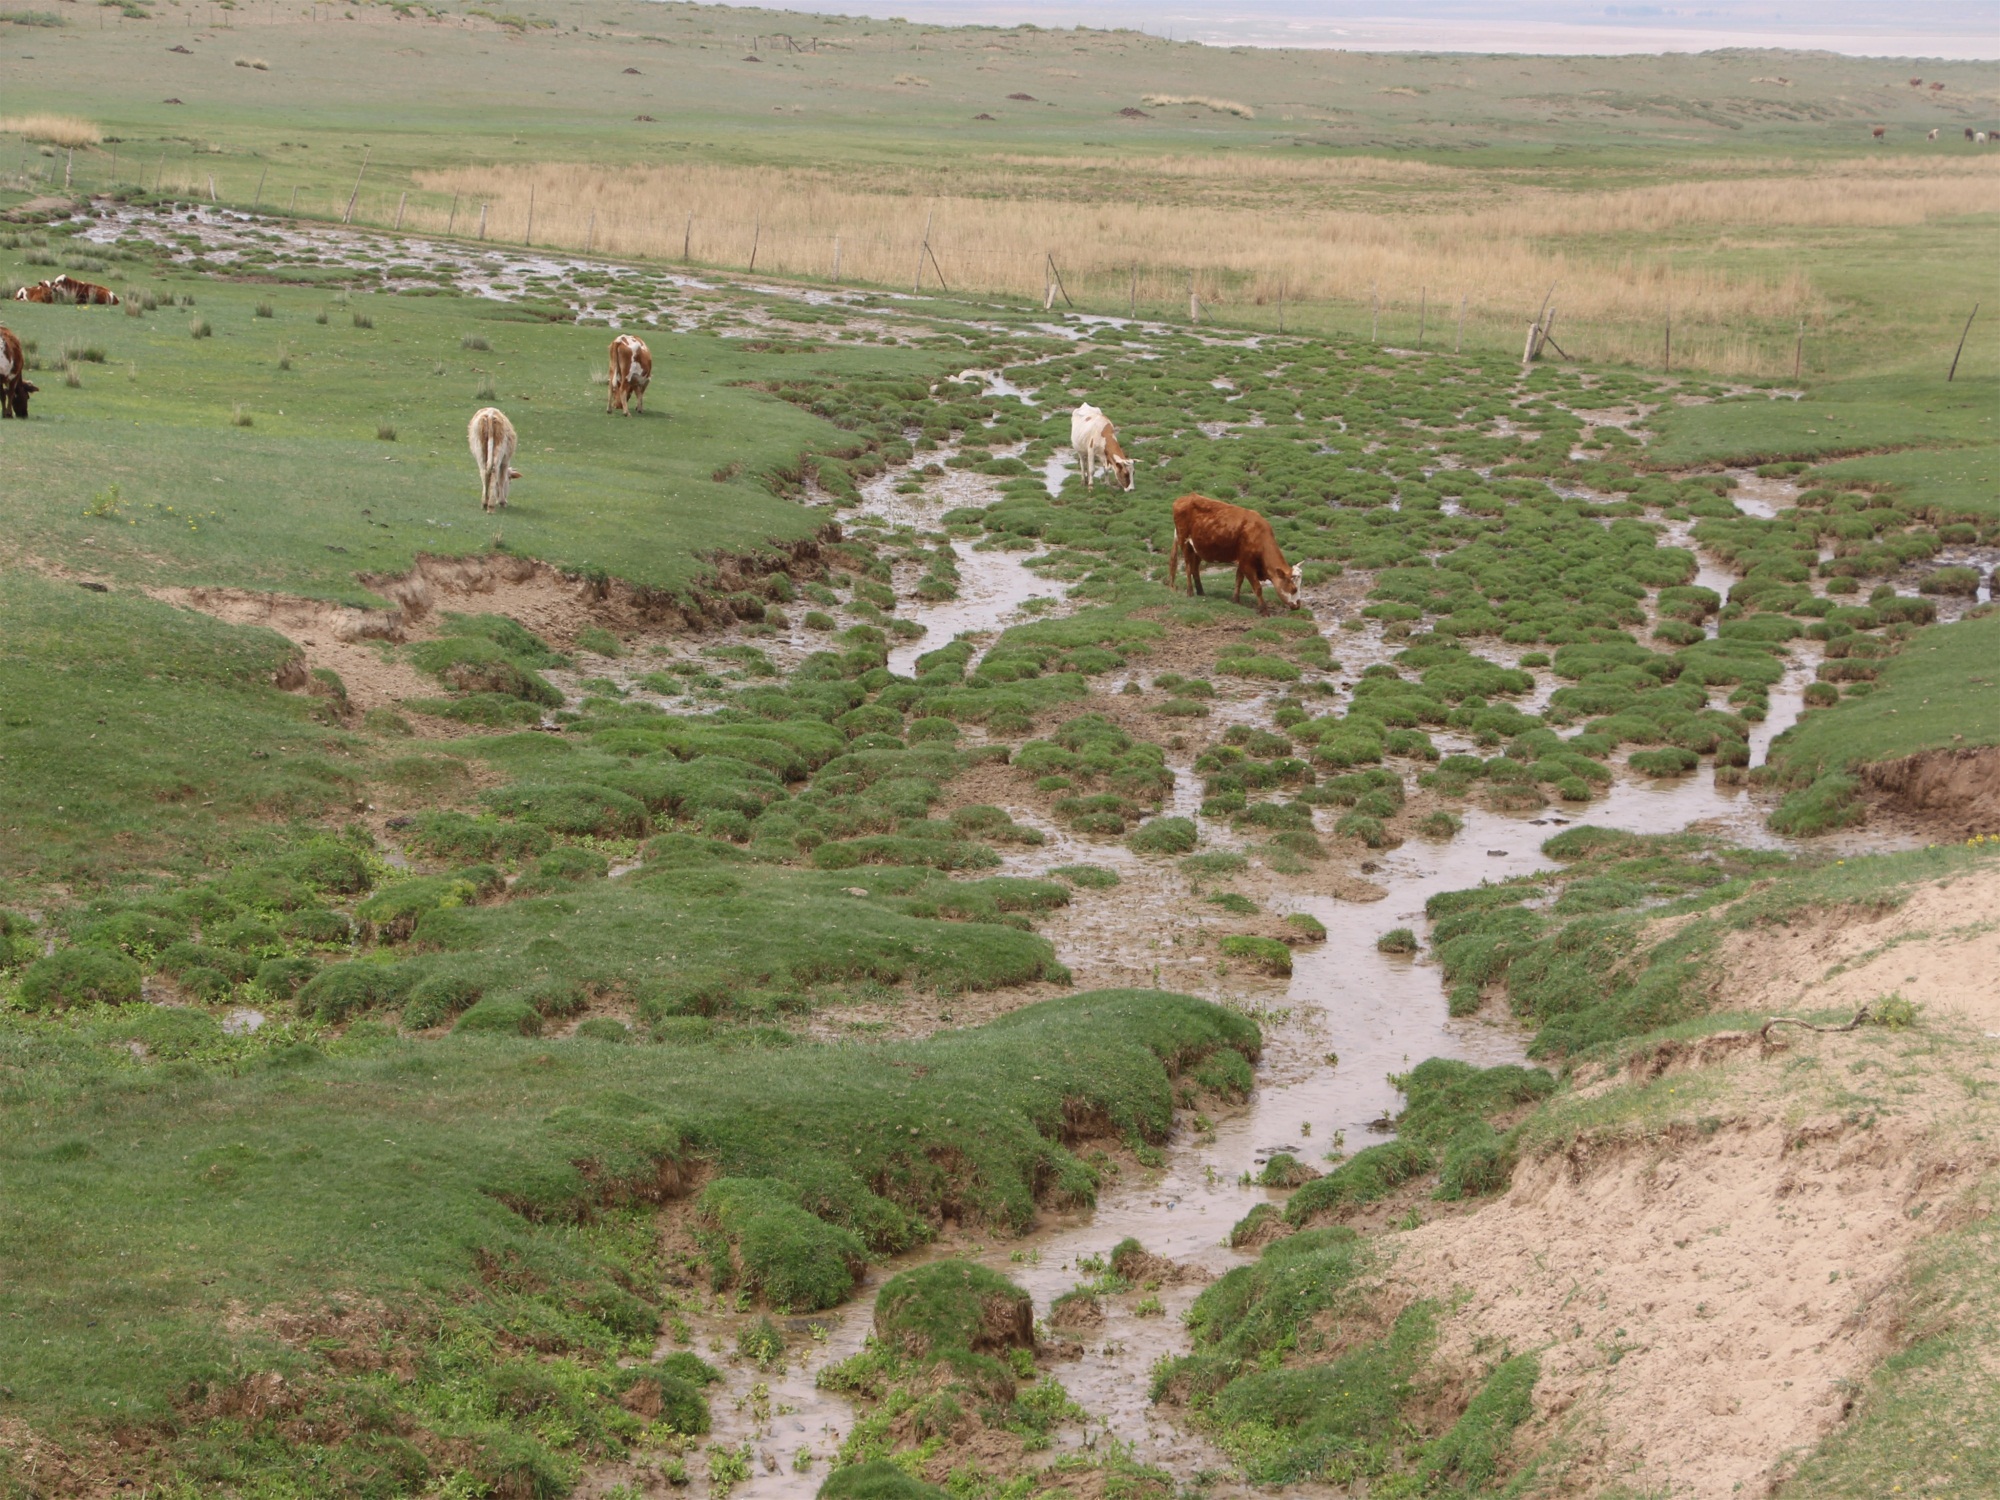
(52, 129)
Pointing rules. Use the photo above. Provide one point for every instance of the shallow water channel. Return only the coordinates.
(1348, 1017)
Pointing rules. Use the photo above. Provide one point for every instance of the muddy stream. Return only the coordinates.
(1348, 1017)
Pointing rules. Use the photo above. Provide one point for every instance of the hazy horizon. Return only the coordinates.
(1953, 29)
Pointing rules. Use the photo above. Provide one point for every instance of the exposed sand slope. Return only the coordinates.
(1710, 1254)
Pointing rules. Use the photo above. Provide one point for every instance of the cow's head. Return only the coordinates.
(1123, 467)
(1288, 582)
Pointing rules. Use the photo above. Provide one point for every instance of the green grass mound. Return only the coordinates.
(953, 1305)
(79, 976)
(878, 1479)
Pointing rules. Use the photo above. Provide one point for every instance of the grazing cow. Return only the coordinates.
(1210, 531)
(15, 387)
(1968, 132)
(1916, 83)
(1096, 443)
(631, 373)
(1879, 131)
(68, 289)
(1932, 136)
(493, 440)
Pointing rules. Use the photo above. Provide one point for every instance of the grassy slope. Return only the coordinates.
(308, 497)
(1845, 417)
(133, 734)
(144, 1201)
(1938, 692)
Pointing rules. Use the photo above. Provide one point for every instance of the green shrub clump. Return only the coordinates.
(82, 975)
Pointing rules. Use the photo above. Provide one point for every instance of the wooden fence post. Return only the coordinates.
(528, 239)
(1961, 346)
(1669, 361)
(1459, 342)
(923, 248)
(348, 217)
(1799, 350)
(1423, 312)
(1194, 301)
(482, 219)
(293, 207)
(1132, 304)
(260, 184)
(836, 260)
(590, 233)
(453, 220)
(401, 204)
(1375, 313)
(756, 234)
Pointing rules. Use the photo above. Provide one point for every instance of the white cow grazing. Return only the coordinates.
(1096, 443)
(493, 441)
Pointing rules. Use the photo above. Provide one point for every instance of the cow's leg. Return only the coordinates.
(639, 396)
(1194, 570)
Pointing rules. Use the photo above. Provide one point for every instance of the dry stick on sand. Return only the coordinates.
(1764, 1031)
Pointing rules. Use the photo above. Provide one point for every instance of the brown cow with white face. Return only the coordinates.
(15, 387)
(1213, 531)
(67, 289)
(631, 373)
(493, 442)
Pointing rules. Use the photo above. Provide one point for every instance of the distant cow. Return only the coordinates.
(631, 373)
(493, 441)
(15, 387)
(1879, 131)
(1210, 531)
(67, 288)
(1968, 132)
(1096, 443)
(1916, 83)
(1932, 136)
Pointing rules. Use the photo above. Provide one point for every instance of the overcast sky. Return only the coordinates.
(1929, 28)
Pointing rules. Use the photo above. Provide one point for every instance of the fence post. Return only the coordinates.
(917, 281)
(348, 217)
(1281, 304)
(1961, 346)
(1423, 312)
(528, 238)
(687, 237)
(1459, 342)
(401, 204)
(756, 234)
(1374, 313)
(1132, 305)
(482, 219)
(453, 220)
(260, 185)
(590, 233)
(1670, 343)
(1799, 350)
(1194, 301)
(836, 260)
(69, 165)
(293, 208)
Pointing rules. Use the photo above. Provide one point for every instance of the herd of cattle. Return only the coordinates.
(1205, 530)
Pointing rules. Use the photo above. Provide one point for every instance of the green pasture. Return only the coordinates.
(184, 460)
(280, 1174)
(928, 111)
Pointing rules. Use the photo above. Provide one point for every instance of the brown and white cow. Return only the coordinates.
(631, 373)
(1213, 531)
(1096, 443)
(493, 442)
(15, 387)
(67, 289)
